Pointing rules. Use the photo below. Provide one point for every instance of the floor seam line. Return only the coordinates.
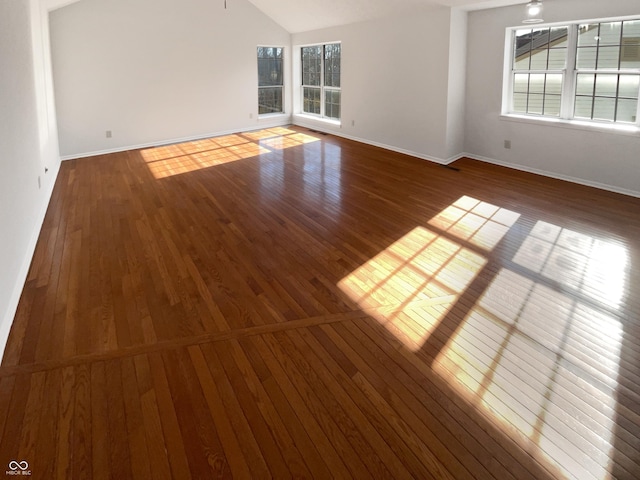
(215, 337)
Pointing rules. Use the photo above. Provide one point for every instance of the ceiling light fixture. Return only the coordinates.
(534, 12)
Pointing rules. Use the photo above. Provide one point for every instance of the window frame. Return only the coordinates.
(569, 81)
(323, 88)
(282, 86)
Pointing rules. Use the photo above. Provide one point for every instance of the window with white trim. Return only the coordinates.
(580, 71)
(321, 94)
(270, 80)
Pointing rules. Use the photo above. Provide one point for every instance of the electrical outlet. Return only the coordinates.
(39, 183)
(251, 115)
(109, 134)
(353, 123)
(507, 144)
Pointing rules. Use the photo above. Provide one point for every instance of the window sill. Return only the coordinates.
(628, 130)
(316, 118)
(266, 116)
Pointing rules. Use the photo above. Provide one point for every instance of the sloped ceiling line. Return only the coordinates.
(297, 16)
(306, 15)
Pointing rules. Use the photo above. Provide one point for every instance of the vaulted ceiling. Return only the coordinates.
(306, 15)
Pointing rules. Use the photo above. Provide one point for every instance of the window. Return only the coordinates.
(539, 59)
(582, 71)
(608, 71)
(270, 80)
(321, 80)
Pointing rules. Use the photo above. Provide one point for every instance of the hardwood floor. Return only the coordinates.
(284, 303)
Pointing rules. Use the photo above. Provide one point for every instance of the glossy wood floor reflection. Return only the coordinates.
(283, 303)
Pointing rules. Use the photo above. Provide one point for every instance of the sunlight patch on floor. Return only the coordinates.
(209, 158)
(480, 223)
(544, 363)
(421, 266)
(169, 160)
(429, 264)
(539, 351)
(428, 268)
(268, 133)
(596, 268)
(287, 141)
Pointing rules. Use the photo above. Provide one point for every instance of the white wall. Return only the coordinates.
(604, 159)
(456, 98)
(28, 145)
(153, 71)
(395, 84)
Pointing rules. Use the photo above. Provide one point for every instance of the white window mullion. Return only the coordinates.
(322, 60)
(570, 75)
(509, 77)
(322, 91)
(270, 80)
(584, 89)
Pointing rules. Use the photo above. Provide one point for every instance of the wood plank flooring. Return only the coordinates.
(283, 303)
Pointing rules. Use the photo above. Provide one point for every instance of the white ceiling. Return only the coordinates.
(306, 15)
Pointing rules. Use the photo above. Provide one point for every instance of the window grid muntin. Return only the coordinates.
(617, 97)
(270, 80)
(270, 100)
(312, 74)
(327, 70)
(627, 37)
(540, 41)
(332, 59)
(332, 108)
(602, 47)
(312, 96)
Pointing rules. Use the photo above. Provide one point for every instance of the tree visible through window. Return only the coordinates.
(321, 94)
(270, 80)
(579, 71)
(312, 79)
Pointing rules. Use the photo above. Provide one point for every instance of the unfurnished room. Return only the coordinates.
(320, 239)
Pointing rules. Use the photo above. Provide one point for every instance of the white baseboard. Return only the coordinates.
(7, 321)
(282, 121)
(331, 131)
(557, 176)
(580, 181)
